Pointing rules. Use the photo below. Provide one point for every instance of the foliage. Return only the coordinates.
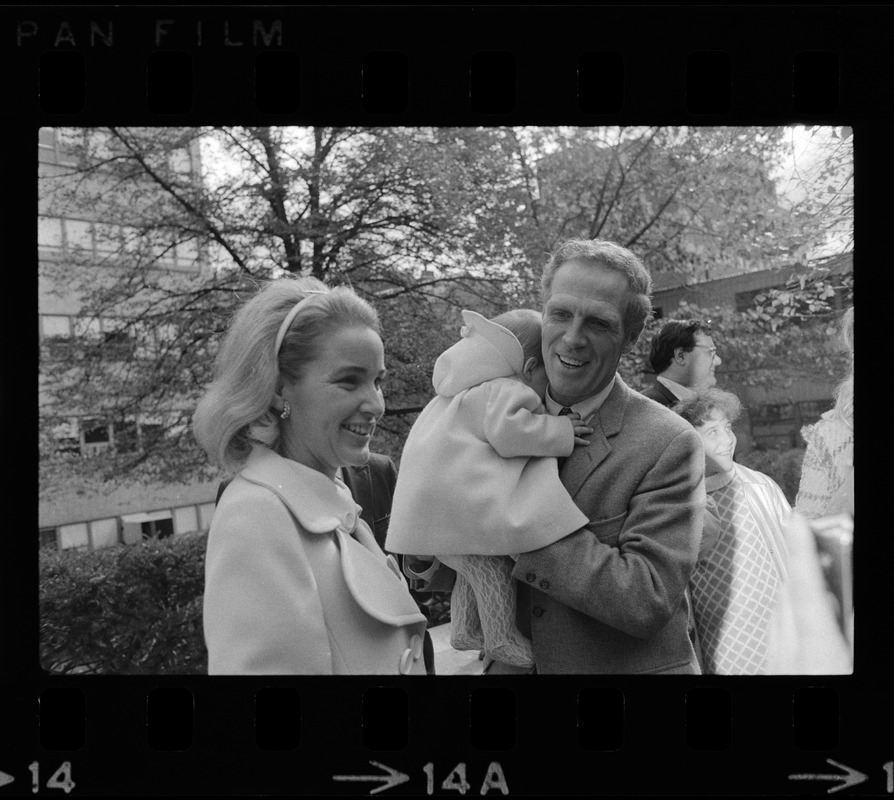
(421, 221)
(135, 610)
(783, 466)
(124, 610)
(760, 348)
(819, 188)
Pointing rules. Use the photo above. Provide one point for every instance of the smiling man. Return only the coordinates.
(611, 597)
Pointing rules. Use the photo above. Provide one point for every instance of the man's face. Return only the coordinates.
(583, 335)
(700, 363)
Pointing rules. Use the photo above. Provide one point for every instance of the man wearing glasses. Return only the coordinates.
(684, 357)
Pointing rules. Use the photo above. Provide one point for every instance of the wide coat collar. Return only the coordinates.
(607, 423)
(322, 506)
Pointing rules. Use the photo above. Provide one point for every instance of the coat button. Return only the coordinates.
(416, 646)
(537, 611)
(530, 577)
(544, 584)
(406, 662)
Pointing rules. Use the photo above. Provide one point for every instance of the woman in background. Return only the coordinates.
(827, 473)
(735, 585)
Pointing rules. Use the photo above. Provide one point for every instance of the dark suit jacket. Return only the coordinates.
(373, 487)
(660, 394)
(611, 597)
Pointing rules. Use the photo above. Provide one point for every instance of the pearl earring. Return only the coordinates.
(286, 410)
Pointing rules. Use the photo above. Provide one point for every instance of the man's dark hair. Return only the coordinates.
(674, 334)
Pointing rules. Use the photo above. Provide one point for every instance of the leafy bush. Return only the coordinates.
(783, 466)
(134, 610)
(124, 610)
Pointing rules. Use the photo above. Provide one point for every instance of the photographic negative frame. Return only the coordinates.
(631, 735)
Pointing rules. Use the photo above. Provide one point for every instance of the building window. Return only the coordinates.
(67, 436)
(78, 235)
(152, 429)
(49, 233)
(46, 137)
(107, 237)
(126, 435)
(88, 328)
(179, 160)
(158, 529)
(117, 338)
(56, 327)
(96, 435)
(48, 538)
(658, 313)
(56, 336)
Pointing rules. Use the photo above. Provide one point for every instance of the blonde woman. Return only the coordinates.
(294, 580)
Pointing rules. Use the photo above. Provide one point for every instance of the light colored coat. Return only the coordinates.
(611, 598)
(296, 584)
(475, 473)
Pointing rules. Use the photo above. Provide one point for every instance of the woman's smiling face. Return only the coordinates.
(336, 402)
(719, 441)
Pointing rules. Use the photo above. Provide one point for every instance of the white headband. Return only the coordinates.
(291, 316)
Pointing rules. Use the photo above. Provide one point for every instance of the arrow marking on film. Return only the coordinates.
(851, 777)
(392, 779)
(5, 779)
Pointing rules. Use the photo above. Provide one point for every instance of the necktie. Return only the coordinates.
(563, 412)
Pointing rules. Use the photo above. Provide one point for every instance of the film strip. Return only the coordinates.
(498, 735)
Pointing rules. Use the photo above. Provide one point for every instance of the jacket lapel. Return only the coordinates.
(668, 394)
(607, 422)
(318, 503)
(324, 506)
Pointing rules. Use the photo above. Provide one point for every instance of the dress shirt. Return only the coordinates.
(682, 392)
(586, 408)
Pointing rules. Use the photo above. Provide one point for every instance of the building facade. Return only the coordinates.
(90, 241)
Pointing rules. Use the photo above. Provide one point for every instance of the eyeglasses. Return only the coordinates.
(707, 347)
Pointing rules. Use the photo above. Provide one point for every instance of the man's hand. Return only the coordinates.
(804, 635)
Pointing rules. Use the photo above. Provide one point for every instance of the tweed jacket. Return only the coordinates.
(611, 597)
(660, 394)
(296, 584)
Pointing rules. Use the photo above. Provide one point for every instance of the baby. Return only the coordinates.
(478, 477)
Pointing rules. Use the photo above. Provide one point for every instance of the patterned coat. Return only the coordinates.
(735, 586)
(827, 473)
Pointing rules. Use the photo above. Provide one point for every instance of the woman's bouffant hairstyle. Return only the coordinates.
(844, 395)
(601, 253)
(697, 409)
(525, 324)
(237, 408)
